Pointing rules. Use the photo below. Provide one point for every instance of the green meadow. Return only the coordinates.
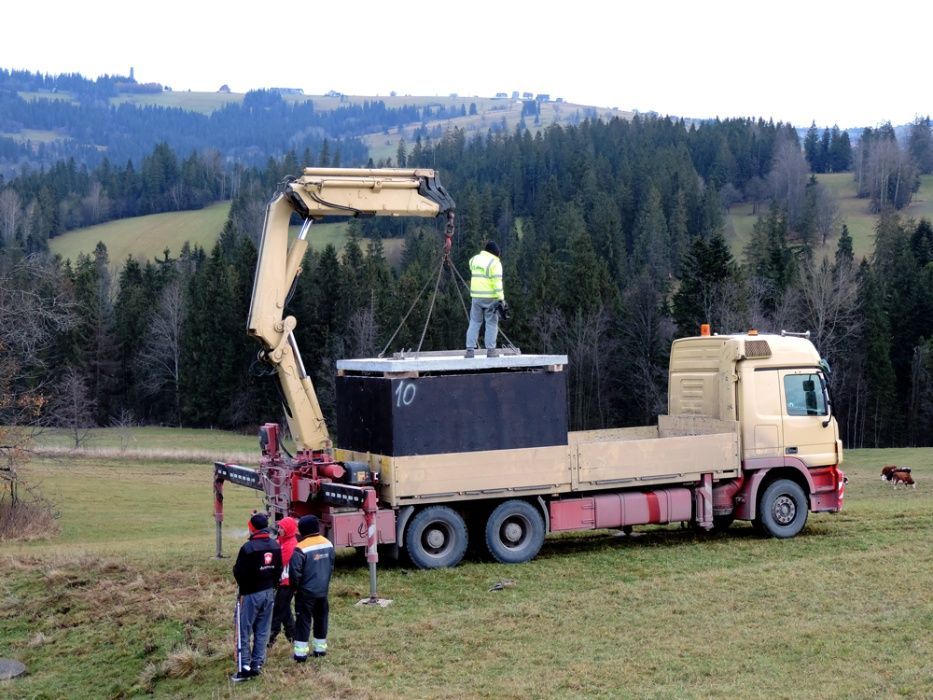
(146, 237)
(126, 599)
(853, 212)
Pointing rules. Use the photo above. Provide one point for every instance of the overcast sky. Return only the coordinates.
(833, 62)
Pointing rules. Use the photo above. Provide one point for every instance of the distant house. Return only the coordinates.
(527, 95)
(287, 90)
(514, 94)
(501, 94)
(560, 99)
(224, 88)
(333, 93)
(543, 97)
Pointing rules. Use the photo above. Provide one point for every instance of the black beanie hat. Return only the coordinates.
(308, 525)
(491, 247)
(259, 521)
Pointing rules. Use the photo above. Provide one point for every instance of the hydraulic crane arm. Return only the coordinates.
(317, 193)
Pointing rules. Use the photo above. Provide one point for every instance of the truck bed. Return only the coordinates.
(677, 450)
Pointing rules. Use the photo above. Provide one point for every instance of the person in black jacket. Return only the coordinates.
(257, 571)
(309, 572)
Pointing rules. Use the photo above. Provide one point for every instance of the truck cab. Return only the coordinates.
(775, 387)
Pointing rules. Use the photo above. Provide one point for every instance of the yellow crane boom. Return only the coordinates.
(321, 192)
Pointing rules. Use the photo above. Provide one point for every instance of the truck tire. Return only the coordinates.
(436, 538)
(782, 510)
(514, 532)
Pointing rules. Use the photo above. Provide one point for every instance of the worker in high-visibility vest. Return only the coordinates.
(488, 297)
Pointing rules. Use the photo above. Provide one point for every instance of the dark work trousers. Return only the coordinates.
(308, 608)
(282, 613)
(252, 619)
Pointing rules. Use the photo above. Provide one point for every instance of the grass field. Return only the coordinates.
(128, 600)
(33, 135)
(853, 211)
(145, 237)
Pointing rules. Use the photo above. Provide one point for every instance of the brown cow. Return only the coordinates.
(888, 469)
(902, 476)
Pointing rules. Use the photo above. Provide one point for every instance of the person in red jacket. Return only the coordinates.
(282, 612)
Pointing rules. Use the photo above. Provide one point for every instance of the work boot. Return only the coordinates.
(492, 352)
(299, 659)
(470, 353)
(318, 654)
(241, 676)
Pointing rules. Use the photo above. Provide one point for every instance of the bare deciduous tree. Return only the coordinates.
(160, 357)
(363, 331)
(826, 213)
(827, 306)
(11, 211)
(72, 407)
(124, 424)
(782, 317)
(788, 180)
(97, 203)
(586, 340)
(645, 340)
(34, 307)
(890, 175)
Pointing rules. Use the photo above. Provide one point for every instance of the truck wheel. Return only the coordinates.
(514, 532)
(782, 510)
(436, 538)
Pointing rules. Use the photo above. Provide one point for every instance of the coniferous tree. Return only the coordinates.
(920, 144)
(96, 348)
(845, 256)
(710, 288)
(811, 148)
(877, 425)
(840, 151)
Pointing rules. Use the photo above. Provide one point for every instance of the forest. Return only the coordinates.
(91, 128)
(612, 242)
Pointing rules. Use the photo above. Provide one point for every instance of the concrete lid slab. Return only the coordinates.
(449, 361)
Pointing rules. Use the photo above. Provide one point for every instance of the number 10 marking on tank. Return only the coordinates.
(405, 394)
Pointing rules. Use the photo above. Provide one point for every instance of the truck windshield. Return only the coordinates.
(804, 395)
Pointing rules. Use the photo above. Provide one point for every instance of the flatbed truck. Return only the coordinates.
(435, 449)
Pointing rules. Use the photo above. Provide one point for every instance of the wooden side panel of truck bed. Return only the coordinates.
(679, 450)
(462, 476)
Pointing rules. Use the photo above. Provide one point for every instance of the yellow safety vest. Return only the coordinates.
(486, 280)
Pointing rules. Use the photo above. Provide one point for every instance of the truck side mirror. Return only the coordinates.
(829, 406)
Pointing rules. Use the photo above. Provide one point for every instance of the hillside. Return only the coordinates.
(146, 237)
(381, 140)
(853, 212)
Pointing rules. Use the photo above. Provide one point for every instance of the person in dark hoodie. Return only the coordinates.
(309, 571)
(282, 612)
(257, 572)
